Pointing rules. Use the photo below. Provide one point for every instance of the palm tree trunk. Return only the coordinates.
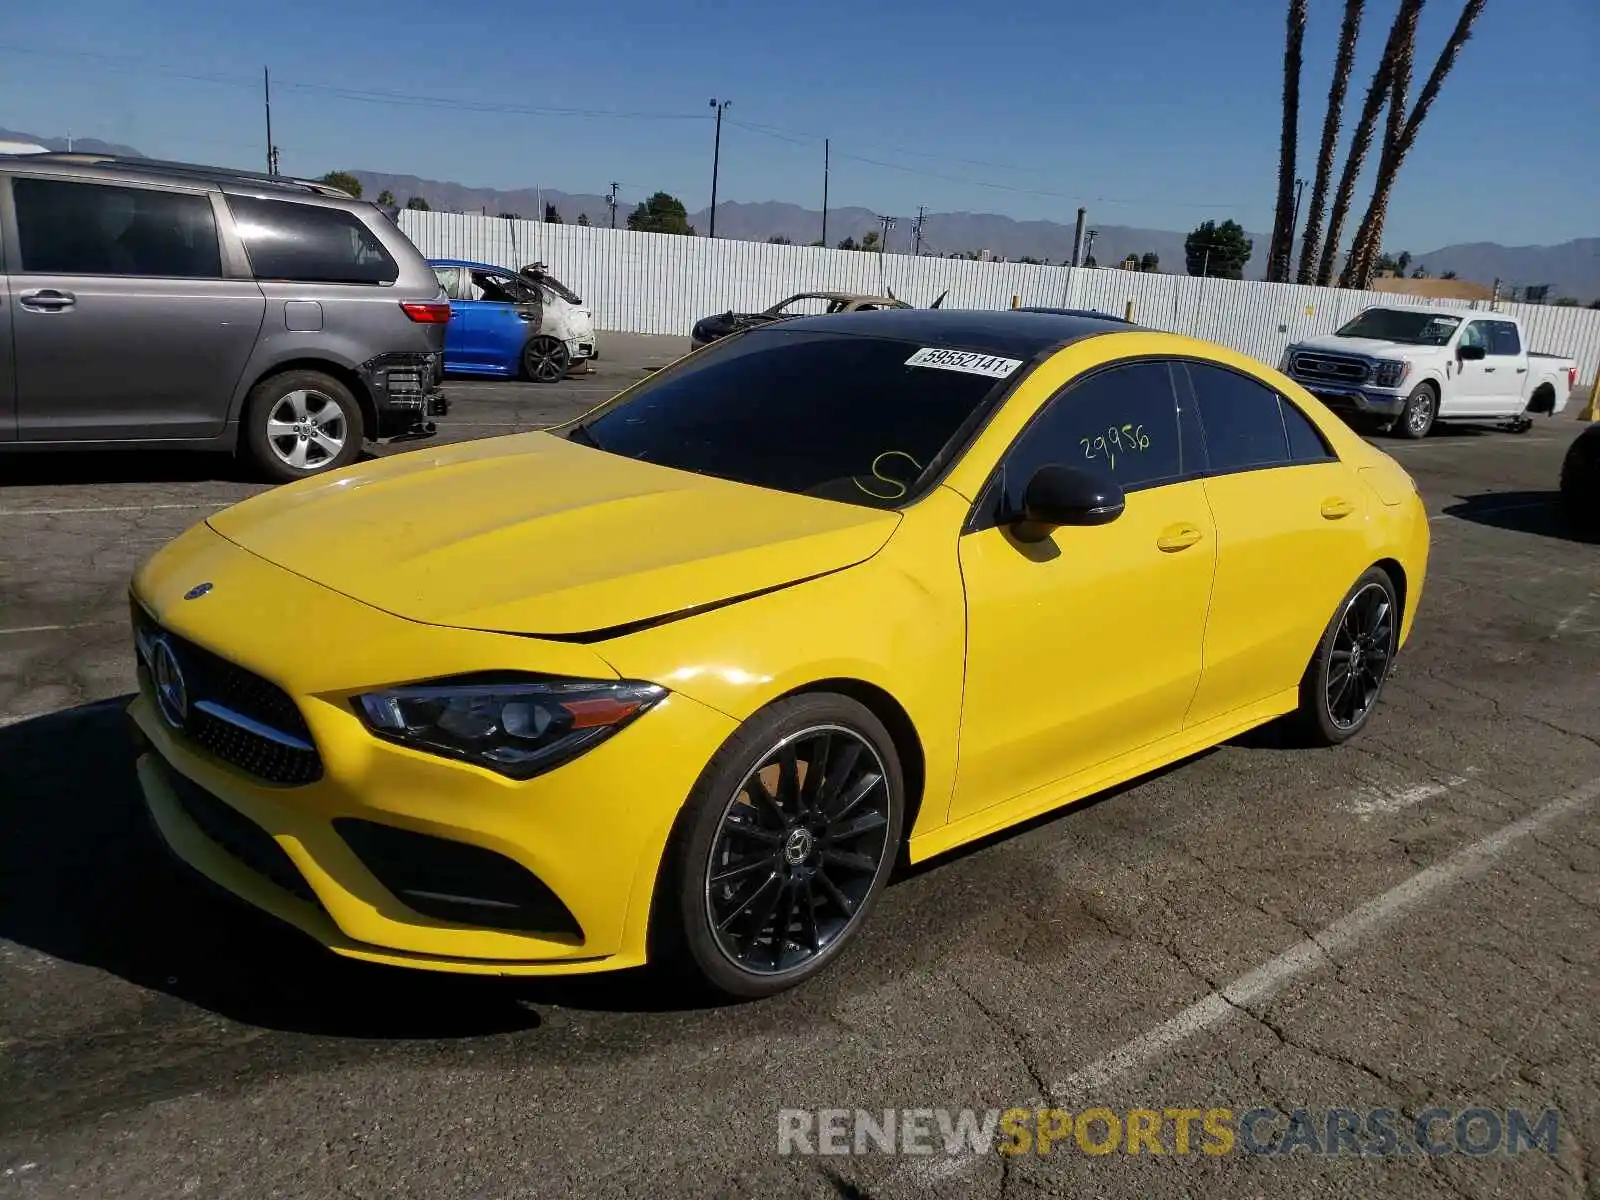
(1281, 245)
(1363, 252)
(1370, 232)
(1349, 32)
(1401, 33)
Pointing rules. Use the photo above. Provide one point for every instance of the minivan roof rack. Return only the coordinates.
(160, 166)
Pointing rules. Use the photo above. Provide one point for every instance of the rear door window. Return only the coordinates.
(304, 243)
(1503, 339)
(1244, 426)
(71, 228)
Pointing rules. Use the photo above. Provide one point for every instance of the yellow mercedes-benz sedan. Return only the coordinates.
(681, 680)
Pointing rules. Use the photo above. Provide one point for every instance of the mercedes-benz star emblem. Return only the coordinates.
(172, 697)
(198, 590)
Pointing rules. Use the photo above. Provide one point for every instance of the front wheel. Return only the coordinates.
(782, 848)
(546, 359)
(1342, 683)
(1422, 406)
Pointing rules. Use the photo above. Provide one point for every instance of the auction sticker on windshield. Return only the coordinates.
(964, 360)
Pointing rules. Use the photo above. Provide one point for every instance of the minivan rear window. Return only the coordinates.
(304, 243)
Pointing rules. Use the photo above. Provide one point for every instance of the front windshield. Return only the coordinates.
(837, 416)
(1401, 325)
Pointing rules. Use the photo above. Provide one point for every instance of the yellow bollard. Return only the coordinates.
(1127, 312)
(1591, 410)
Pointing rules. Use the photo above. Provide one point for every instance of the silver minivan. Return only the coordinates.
(152, 304)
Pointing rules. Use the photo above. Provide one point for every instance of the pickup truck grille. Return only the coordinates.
(1327, 368)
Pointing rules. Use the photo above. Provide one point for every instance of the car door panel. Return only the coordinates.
(1475, 382)
(8, 394)
(1291, 539)
(1086, 645)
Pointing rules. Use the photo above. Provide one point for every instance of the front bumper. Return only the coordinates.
(1369, 401)
(591, 832)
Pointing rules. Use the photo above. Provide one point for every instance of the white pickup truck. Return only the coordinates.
(1418, 366)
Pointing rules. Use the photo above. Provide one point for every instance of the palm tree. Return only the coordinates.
(1401, 33)
(1281, 245)
(1349, 32)
(1358, 264)
(1370, 232)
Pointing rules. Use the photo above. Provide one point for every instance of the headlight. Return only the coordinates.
(519, 725)
(1392, 373)
(1283, 363)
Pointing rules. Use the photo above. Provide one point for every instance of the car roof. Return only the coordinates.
(114, 168)
(845, 296)
(1003, 331)
(1436, 310)
(467, 262)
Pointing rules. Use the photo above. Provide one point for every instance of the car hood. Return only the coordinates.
(1374, 347)
(537, 535)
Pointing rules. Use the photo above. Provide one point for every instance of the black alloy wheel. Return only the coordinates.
(782, 849)
(798, 850)
(1345, 677)
(546, 359)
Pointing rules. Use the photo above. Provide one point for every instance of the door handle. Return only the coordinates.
(1522, 370)
(1488, 370)
(1335, 507)
(1178, 537)
(46, 300)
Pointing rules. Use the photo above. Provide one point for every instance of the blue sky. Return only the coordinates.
(1155, 113)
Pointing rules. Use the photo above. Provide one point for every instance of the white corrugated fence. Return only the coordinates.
(662, 283)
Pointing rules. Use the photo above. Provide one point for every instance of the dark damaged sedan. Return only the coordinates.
(805, 304)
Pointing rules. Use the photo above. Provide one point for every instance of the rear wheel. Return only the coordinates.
(1422, 406)
(301, 423)
(1342, 683)
(1580, 483)
(546, 359)
(782, 848)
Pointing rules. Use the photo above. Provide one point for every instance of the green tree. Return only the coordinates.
(1219, 251)
(819, 242)
(1595, 303)
(1088, 261)
(872, 241)
(344, 181)
(510, 216)
(583, 219)
(778, 239)
(1150, 262)
(1386, 264)
(1402, 261)
(1031, 260)
(419, 204)
(661, 213)
(1565, 302)
(386, 199)
(1420, 271)
(1130, 261)
(551, 216)
(1448, 275)
(849, 243)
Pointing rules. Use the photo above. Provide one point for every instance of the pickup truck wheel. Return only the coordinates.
(546, 359)
(299, 424)
(1422, 406)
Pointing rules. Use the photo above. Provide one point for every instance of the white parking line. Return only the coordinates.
(1375, 802)
(1252, 989)
(54, 628)
(110, 508)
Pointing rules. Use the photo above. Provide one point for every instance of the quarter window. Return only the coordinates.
(1121, 422)
(1306, 443)
(68, 228)
(306, 243)
(1243, 423)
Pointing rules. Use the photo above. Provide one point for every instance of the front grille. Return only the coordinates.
(1328, 367)
(240, 837)
(233, 713)
(456, 882)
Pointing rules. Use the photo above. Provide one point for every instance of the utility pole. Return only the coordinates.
(916, 233)
(1088, 249)
(888, 224)
(826, 155)
(612, 201)
(1077, 237)
(716, 160)
(266, 95)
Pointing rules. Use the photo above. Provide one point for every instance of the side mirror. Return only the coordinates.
(1058, 495)
(1469, 353)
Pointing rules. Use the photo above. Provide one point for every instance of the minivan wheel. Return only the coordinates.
(546, 359)
(301, 423)
(782, 849)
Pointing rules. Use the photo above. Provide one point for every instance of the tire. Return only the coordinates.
(806, 863)
(1422, 407)
(1580, 483)
(300, 424)
(1322, 718)
(546, 359)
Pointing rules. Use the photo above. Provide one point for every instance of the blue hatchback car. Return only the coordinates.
(504, 323)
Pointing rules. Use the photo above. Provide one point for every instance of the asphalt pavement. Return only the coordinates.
(1406, 922)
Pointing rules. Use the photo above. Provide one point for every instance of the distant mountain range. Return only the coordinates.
(1570, 269)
